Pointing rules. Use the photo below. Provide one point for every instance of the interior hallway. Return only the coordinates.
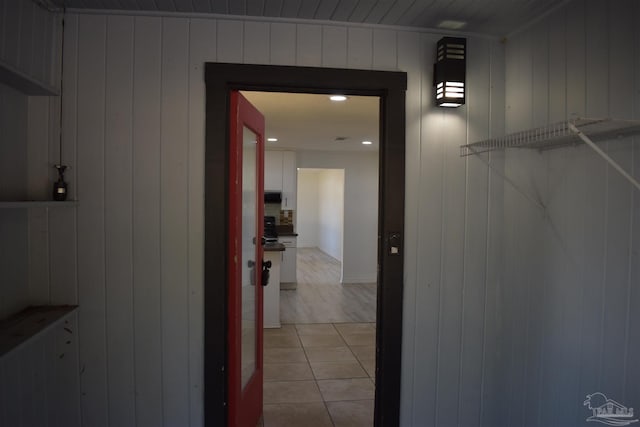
(319, 368)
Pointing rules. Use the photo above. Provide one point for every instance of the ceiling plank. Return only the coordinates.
(219, 6)
(326, 9)
(290, 9)
(308, 9)
(201, 6)
(344, 10)
(273, 8)
(362, 10)
(380, 10)
(255, 7)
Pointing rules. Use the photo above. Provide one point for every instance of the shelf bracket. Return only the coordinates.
(604, 155)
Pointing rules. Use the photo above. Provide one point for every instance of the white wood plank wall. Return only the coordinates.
(133, 126)
(38, 381)
(571, 274)
(31, 39)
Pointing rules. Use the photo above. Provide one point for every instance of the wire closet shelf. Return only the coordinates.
(557, 135)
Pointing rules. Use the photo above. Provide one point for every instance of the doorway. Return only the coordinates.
(390, 87)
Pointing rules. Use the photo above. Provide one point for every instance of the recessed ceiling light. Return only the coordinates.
(272, 139)
(338, 98)
(451, 24)
(367, 142)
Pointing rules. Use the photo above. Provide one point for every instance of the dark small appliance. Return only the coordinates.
(270, 232)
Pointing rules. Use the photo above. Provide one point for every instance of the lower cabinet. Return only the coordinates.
(288, 268)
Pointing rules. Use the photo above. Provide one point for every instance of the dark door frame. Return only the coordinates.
(390, 86)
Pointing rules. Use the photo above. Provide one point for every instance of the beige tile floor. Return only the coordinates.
(318, 375)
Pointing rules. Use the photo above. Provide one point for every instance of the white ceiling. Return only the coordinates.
(313, 122)
(491, 17)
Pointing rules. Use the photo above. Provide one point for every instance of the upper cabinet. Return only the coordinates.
(280, 175)
(273, 170)
(289, 175)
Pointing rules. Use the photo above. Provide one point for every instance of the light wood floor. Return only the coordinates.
(321, 298)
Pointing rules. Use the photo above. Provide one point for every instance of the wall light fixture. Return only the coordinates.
(449, 71)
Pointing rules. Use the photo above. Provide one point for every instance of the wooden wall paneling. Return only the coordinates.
(451, 281)
(282, 43)
(543, 260)
(118, 219)
(255, 43)
(409, 61)
(29, 395)
(575, 59)
(4, 396)
(334, 46)
(147, 304)
(359, 48)
(230, 41)
(13, 223)
(557, 43)
(385, 50)
(41, 44)
(174, 215)
(619, 203)
(13, 16)
(492, 355)
(26, 37)
(62, 222)
(12, 381)
(518, 214)
(308, 45)
(37, 146)
(13, 150)
(201, 50)
(3, 26)
(594, 210)
(566, 236)
(64, 398)
(475, 226)
(540, 74)
(90, 124)
(632, 371)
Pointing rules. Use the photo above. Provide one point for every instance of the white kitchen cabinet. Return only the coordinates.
(280, 174)
(288, 267)
(273, 170)
(289, 178)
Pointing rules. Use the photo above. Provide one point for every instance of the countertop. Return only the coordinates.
(274, 247)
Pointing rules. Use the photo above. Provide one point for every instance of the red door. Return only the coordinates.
(246, 212)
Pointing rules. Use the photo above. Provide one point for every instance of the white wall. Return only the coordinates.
(307, 208)
(359, 250)
(571, 324)
(331, 218)
(133, 131)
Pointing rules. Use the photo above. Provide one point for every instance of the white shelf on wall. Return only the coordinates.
(26, 204)
(17, 330)
(562, 134)
(557, 135)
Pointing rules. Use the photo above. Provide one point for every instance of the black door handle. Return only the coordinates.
(266, 265)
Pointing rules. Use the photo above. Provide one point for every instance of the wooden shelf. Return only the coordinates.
(20, 328)
(26, 204)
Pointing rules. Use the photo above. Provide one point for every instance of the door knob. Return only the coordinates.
(266, 265)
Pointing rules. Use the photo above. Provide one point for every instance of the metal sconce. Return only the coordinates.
(449, 71)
